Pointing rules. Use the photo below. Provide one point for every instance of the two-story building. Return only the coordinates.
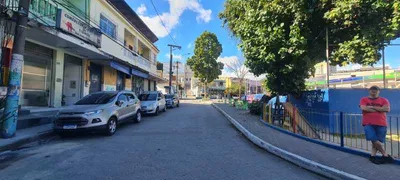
(214, 89)
(77, 47)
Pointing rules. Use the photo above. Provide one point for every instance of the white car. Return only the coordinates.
(99, 111)
(152, 102)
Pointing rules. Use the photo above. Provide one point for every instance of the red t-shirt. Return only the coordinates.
(374, 118)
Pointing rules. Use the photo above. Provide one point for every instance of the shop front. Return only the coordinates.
(95, 77)
(72, 81)
(36, 76)
(138, 81)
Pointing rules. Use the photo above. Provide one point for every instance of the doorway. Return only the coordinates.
(120, 81)
(96, 74)
(36, 76)
(72, 80)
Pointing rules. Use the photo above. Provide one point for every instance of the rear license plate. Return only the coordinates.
(69, 127)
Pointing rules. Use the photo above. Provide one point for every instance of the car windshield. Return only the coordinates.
(97, 98)
(168, 96)
(148, 97)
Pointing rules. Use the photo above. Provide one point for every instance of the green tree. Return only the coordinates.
(235, 89)
(204, 61)
(286, 38)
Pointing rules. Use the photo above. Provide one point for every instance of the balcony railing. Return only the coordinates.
(143, 63)
(43, 11)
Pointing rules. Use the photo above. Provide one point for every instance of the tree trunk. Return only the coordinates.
(205, 90)
(240, 89)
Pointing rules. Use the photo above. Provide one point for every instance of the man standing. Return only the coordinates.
(374, 109)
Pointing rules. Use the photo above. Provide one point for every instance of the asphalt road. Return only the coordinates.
(191, 142)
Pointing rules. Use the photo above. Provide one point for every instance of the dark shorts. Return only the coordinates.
(375, 133)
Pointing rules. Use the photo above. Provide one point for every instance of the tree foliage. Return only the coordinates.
(204, 61)
(235, 89)
(286, 38)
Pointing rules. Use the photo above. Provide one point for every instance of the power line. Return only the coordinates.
(162, 22)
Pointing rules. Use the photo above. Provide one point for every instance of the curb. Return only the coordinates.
(14, 145)
(333, 146)
(293, 158)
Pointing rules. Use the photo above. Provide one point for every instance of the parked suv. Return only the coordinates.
(99, 111)
(172, 100)
(152, 102)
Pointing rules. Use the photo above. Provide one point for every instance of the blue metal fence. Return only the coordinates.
(343, 129)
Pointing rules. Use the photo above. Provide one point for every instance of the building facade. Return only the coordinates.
(77, 47)
(214, 89)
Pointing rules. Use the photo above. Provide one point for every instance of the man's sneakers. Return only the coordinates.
(388, 159)
(376, 160)
(381, 160)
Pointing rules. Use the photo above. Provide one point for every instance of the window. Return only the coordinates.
(221, 83)
(155, 58)
(122, 97)
(97, 98)
(148, 97)
(131, 97)
(107, 27)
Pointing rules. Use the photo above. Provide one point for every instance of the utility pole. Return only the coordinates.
(185, 77)
(327, 58)
(177, 77)
(10, 114)
(384, 67)
(171, 48)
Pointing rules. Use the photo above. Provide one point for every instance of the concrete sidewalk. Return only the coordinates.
(25, 136)
(350, 163)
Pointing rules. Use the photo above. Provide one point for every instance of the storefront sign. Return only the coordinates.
(75, 26)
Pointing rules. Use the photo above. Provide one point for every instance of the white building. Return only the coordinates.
(77, 47)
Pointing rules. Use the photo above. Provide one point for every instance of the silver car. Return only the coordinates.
(99, 111)
(152, 102)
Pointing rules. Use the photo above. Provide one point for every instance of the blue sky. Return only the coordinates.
(187, 19)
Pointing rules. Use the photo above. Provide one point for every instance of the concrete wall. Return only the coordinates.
(86, 77)
(322, 108)
(344, 100)
(109, 79)
(348, 100)
(152, 86)
(128, 84)
(58, 76)
(146, 84)
(315, 99)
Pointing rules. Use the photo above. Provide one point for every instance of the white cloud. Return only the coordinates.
(190, 45)
(141, 10)
(171, 18)
(228, 59)
(234, 59)
(175, 57)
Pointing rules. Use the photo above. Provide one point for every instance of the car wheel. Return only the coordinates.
(111, 126)
(138, 117)
(156, 113)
